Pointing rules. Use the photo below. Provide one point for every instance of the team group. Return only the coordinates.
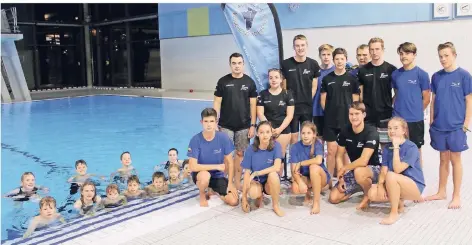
(307, 104)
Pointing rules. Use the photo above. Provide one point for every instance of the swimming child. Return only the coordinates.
(158, 185)
(174, 174)
(113, 199)
(172, 156)
(187, 174)
(47, 215)
(134, 192)
(28, 189)
(126, 169)
(82, 176)
(88, 199)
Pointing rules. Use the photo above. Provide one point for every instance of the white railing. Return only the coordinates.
(9, 21)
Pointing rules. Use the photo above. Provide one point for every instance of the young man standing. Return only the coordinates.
(235, 102)
(361, 142)
(412, 93)
(301, 74)
(451, 109)
(375, 79)
(325, 52)
(208, 151)
(338, 90)
(362, 56)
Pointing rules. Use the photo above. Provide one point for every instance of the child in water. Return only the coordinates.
(134, 191)
(126, 169)
(28, 189)
(87, 204)
(82, 176)
(158, 185)
(187, 174)
(174, 174)
(113, 199)
(47, 215)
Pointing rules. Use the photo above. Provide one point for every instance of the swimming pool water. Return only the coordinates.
(47, 137)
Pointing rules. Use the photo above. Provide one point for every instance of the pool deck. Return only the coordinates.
(184, 222)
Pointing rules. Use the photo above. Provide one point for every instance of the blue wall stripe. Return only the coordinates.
(309, 15)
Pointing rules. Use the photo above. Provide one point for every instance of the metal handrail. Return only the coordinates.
(10, 20)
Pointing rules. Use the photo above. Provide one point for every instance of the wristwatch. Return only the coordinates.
(254, 125)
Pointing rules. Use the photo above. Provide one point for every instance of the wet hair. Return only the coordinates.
(80, 162)
(403, 124)
(158, 175)
(50, 201)
(357, 105)
(376, 40)
(24, 174)
(255, 145)
(133, 178)
(283, 85)
(111, 187)
(173, 165)
(209, 112)
(235, 55)
(173, 149)
(447, 45)
(299, 37)
(87, 183)
(339, 51)
(324, 47)
(122, 154)
(407, 48)
(186, 161)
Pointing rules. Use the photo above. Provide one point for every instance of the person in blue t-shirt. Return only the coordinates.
(451, 108)
(325, 53)
(262, 161)
(208, 151)
(401, 176)
(412, 93)
(308, 168)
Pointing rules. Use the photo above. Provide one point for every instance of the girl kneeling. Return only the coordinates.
(262, 162)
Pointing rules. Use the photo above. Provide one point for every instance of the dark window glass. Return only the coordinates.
(64, 12)
(142, 9)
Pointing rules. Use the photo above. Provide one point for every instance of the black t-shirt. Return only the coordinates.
(339, 90)
(355, 143)
(275, 106)
(377, 90)
(235, 111)
(299, 76)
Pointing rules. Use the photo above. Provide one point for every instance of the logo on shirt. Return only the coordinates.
(372, 141)
(412, 81)
(292, 70)
(331, 83)
(229, 85)
(368, 75)
(348, 140)
(217, 151)
(270, 161)
(189, 150)
(383, 75)
(291, 100)
(281, 103)
(244, 88)
(455, 84)
(267, 101)
(360, 144)
(346, 83)
(306, 71)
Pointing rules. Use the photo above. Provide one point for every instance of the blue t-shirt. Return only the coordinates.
(210, 152)
(300, 152)
(410, 155)
(354, 72)
(410, 85)
(450, 89)
(261, 159)
(317, 109)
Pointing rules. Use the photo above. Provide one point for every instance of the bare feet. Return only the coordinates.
(278, 211)
(316, 208)
(401, 206)
(437, 196)
(203, 200)
(392, 218)
(422, 199)
(364, 203)
(259, 202)
(455, 203)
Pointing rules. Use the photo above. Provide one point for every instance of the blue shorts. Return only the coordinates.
(328, 177)
(350, 181)
(454, 141)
